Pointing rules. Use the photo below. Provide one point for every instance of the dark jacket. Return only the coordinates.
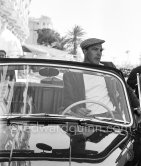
(134, 102)
(132, 79)
(74, 89)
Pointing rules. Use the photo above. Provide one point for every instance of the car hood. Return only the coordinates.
(97, 147)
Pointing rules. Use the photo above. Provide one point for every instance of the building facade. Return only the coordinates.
(35, 24)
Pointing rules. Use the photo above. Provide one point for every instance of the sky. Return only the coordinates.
(118, 22)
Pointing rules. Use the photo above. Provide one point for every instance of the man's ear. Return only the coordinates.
(84, 51)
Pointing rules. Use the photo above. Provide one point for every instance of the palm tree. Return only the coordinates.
(61, 43)
(75, 37)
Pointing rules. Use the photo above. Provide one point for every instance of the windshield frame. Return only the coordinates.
(78, 66)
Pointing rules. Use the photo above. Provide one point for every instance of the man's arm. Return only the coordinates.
(134, 101)
(68, 94)
(132, 79)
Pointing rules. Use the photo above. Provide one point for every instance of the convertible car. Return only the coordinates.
(65, 113)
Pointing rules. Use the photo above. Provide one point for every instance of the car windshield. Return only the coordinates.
(46, 89)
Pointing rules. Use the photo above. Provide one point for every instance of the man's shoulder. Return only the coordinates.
(136, 70)
(133, 75)
(109, 64)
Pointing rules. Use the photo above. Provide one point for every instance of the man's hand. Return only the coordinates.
(80, 113)
(138, 114)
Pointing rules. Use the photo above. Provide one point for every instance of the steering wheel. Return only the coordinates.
(88, 101)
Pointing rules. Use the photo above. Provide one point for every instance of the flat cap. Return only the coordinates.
(91, 41)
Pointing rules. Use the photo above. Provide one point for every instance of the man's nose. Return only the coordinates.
(99, 53)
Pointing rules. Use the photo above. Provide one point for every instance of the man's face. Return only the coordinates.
(2, 54)
(94, 54)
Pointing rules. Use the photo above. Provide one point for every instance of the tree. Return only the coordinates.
(53, 38)
(61, 43)
(47, 36)
(75, 37)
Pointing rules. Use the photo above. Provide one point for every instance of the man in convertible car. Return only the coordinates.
(92, 49)
(74, 91)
